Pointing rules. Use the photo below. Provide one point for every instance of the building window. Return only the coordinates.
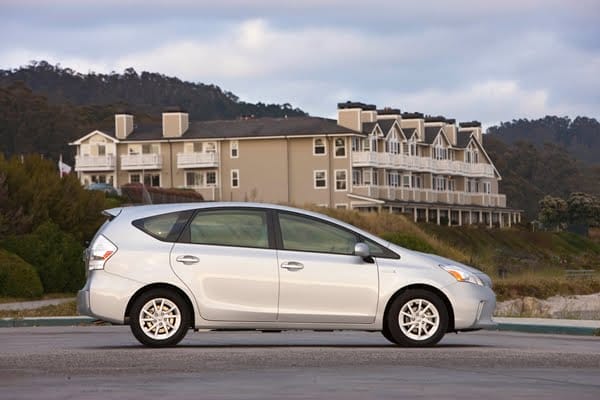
(134, 178)
(194, 179)
(341, 206)
(211, 178)
(235, 178)
(356, 177)
(319, 148)
(487, 187)
(152, 180)
(356, 144)
(439, 183)
(234, 149)
(340, 147)
(341, 181)
(151, 148)
(393, 179)
(320, 179)
(406, 181)
(210, 147)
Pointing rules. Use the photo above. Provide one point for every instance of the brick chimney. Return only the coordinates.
(175, 123)
(123, 125)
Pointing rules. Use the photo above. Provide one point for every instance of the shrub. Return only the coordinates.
(54, 254)
(17, 277)
(408, 241)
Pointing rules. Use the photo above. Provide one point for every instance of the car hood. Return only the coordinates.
(436, 260)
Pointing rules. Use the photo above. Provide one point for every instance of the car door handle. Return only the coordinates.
(292, 265)
(187, 260)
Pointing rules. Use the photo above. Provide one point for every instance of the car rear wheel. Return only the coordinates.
(416, 318)
(159, 318)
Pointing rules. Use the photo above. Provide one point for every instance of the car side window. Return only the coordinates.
(308, 234)
(242, 228)
(379, 251)
(165, 227)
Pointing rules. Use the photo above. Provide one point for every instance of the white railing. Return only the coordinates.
(95, 163)
(429, 196)
(197, 160)
(141, 161)
(421, 164)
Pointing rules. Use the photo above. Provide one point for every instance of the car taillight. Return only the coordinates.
(100, 251)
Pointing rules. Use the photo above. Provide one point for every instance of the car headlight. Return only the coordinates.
(461, 274)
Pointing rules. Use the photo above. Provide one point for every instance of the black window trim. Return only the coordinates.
(359, 237)
(185, 238)
(180, 221)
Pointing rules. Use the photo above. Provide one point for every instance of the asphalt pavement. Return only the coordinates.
(105, 362)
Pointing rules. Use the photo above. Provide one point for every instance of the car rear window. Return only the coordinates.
(165, 227)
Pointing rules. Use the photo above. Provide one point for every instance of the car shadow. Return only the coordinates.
(293, 345)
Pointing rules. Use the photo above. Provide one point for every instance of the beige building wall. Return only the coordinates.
(263, 171)
(350, 118)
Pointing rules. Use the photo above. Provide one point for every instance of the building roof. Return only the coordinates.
(408, 132)
(386, 125)
(368, 127)
(463, 139)
(260, 127)
(431, 133)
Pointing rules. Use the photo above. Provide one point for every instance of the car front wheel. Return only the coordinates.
(159, 318)
(416, 318)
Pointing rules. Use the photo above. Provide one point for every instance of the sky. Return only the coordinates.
(483, 60)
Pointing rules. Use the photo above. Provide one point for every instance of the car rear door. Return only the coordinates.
(228, 260)
(321, 280)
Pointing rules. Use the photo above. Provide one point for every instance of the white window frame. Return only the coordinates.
(199, 173)
(357, 177)
(318, 171)
(345, 180)
(324, 146)
(234, 146)
(336, 147)
(341, 206)
(138, 175)
(235, 172)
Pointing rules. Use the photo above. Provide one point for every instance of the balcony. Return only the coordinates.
(420, 164)
(197, 160)
(430, 196)
(95, 163)
(141, 161)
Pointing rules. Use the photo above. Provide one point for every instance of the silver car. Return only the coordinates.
(163, 269)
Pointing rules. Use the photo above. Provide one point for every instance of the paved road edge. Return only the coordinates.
(516, 326)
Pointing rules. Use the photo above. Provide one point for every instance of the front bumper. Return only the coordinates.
(473, 306)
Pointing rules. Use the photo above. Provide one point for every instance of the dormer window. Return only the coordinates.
(439, 151)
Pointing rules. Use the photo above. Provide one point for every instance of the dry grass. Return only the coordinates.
(59, 310)
(542, 286)
(49, 296)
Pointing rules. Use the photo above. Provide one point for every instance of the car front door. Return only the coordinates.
(229, 262)
(321, 280)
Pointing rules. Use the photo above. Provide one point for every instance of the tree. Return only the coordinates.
(553, 211)
(583, 208)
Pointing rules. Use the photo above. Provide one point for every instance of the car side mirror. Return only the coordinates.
(362, 250)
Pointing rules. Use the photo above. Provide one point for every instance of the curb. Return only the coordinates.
(45, 321)
(548, 329)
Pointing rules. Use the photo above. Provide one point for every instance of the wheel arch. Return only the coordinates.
(161, 286)
(429, 288)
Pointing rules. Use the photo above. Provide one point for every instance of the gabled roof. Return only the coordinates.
(367, 127)
(408, 132)
(386, 125)
(431, 132)
(463, 139)
(110, 137)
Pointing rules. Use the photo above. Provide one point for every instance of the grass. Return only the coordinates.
(59, 310)
(49, 296)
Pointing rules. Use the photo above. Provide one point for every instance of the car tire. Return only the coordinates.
(159, 318)
(416, 318)
(386, 334)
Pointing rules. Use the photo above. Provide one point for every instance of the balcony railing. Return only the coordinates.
(393, 193)
(421, 164)
(95, 163)
(141, 161)
(197, 160)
